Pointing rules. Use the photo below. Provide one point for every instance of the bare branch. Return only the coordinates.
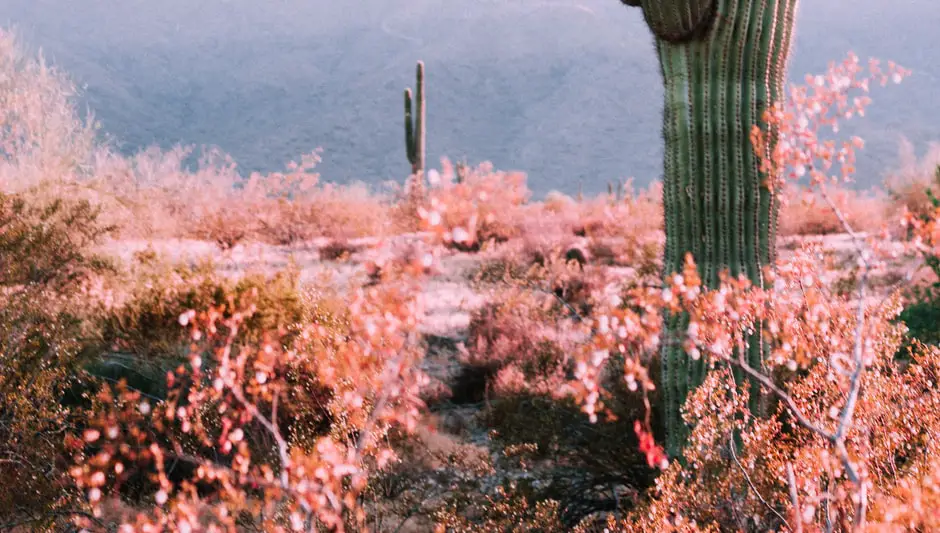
(794, 500)
(783, 396)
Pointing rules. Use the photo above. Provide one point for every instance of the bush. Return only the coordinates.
(627, 232)
(908, 184)
(485, 206)
(43, 142)
(808, 214)
(922, 314)
(143, 338)
(587, 468)
(271, 419)
(48, 310)
(516, 363)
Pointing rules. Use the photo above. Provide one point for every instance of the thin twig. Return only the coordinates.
(751, 484)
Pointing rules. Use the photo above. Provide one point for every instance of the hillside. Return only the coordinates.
(561, 89)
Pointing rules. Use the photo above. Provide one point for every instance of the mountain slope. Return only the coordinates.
(562, 89)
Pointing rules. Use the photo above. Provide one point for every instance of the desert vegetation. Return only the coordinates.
(183, 348)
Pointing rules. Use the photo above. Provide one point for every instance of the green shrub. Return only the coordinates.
(143, 336)
(922, 315)
(47, 331)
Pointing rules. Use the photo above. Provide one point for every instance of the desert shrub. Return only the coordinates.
(552, 467)
(520, 326)
(148, 321)
(432, 467)
(731, 479)
(49, 151)
(485, 206)
(517, 359)
(565, 273)
(625, 232)
(48, 309)
(922, 314)
(147, 347)
(908, 184)
(43, 140)
(276, 426)
(505, 268)
(215, 203)
(142, 336)
(912, 502)
(339, 212)
(507, 510)
(587, 468)
(48, 244)
(516, 328)
(806, 213)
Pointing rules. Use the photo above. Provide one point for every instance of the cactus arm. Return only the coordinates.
(677, 21)
(409, 129)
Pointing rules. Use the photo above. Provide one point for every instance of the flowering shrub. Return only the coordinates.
(483, 206)
(232, 415)
(825, 346)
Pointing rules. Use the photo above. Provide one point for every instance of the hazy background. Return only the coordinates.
(562, 89)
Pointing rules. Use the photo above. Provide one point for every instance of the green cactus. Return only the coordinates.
(723, 63)
(415, 131)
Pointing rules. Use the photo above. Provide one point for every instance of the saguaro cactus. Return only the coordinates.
(723, 62)
(415, 132)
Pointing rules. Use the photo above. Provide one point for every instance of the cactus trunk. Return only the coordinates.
(722, 63)
(415, 130)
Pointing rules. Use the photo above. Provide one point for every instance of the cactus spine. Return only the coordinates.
(723, 63)
(415, 131)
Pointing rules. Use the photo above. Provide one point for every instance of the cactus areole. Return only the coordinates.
(723, 63)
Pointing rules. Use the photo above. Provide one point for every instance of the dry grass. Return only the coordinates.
(155, 195)
(803, 213)
(908, 183)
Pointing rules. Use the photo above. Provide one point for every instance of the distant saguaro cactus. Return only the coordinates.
(723, 63)
(415, 130)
